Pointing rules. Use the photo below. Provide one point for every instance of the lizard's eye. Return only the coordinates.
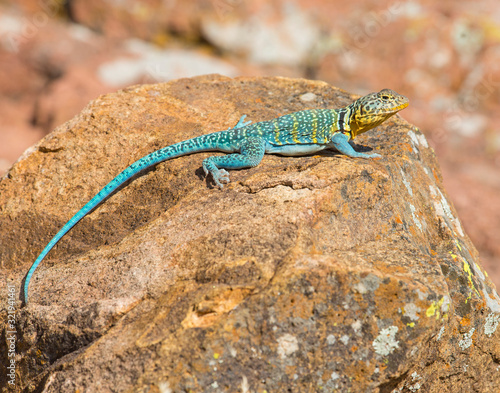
(385, 97)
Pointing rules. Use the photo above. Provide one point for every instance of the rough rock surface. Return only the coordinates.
(320, 273)
(56, 56)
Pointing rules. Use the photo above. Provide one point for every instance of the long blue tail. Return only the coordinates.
(195, 145)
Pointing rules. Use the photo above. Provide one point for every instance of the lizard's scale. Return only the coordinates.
(292, 134)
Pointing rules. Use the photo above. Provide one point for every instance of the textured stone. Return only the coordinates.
(448, 66)
(319, 273)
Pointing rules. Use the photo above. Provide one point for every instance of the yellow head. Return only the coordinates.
(371, 110)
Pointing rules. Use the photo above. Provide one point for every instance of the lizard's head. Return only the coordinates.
(373, 109)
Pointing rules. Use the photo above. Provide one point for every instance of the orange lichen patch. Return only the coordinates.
(408, 147)
(358, 371)
(296, 305)
(388, 296)
(391, 269)
(413, 229)
(435, 174)
(465, 321)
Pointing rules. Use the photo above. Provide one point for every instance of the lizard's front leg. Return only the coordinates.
(241, 123)
(251, 153)
(341, 142)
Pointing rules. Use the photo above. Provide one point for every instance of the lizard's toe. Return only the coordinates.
(368, 155)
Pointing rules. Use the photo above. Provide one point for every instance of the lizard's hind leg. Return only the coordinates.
(251, 153)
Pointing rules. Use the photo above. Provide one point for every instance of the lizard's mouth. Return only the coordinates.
(402, 106)
(397, 108)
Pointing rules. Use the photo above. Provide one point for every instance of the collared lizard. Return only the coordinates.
(295, 134)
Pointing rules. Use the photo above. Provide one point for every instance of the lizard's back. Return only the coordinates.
(304, 127)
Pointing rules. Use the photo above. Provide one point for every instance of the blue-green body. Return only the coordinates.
(295, 134)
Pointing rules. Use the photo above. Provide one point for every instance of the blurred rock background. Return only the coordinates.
(57, 55)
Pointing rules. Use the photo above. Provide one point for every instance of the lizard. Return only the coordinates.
(295, 134)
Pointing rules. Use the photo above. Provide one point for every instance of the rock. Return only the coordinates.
(447, 66)
(476, 187)
(319, 273)
(280, 34)
(145, 20)
(48, 76)
(155, 65)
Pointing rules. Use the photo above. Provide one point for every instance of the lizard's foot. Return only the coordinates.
(241, 123)
(341, 143)
(220, 176)
(251, 151)
(370, 155)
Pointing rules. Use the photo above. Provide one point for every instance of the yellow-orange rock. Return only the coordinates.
(304, 274)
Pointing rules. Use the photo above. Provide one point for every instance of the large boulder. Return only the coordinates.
(305, 274)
